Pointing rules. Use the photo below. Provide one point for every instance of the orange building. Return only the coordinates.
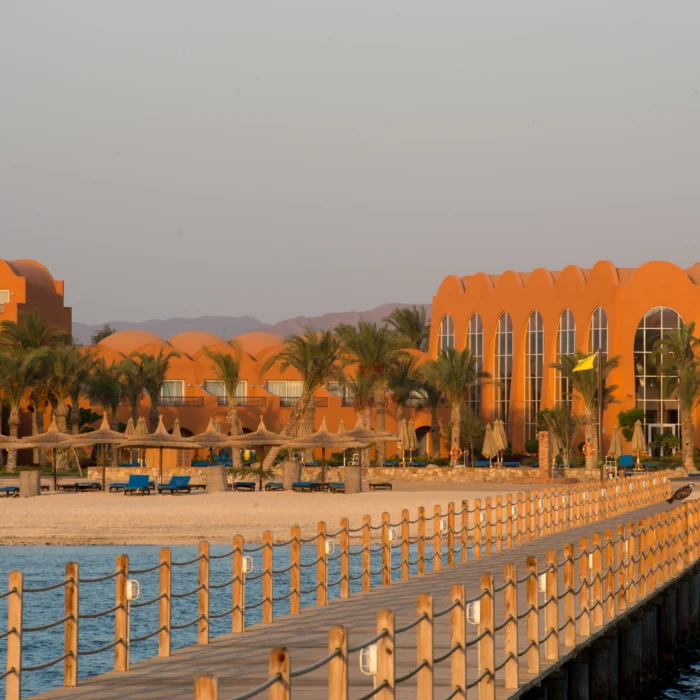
(519, 323)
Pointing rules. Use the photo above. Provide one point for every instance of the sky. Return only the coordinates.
(178, 158)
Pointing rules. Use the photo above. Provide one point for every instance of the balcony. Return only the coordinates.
(289, 401)
(245, 401)
(186, 401)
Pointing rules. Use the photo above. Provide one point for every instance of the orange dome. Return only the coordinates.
(126, 342)
(192, 342)
(256, 341)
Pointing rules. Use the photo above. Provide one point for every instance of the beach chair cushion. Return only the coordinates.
(274, 486)
(138, 483)
(336, 487)
(482, 463)
(511, 464)
(244, 485)
(626, 461)
(177, 484)
(9, 491)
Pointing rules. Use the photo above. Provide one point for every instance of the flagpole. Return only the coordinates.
(600, 412)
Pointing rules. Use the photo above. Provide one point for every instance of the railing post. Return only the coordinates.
(421, 541)
(386, 550)
(13, 683)
(519, 519)
(386, 655)
(642, 567)
(321, 567)
(238, 586)
(458, 637)
(338, 667)
(569, 598)
(528, 516)
(609, 578)
(621, 568)
(70, 646)
(657, 543)
(450, 534)
(344, 558)
(510, 519)
(510, 631)
(488, 526)
(164, 590)
(672, 531)
(487, 647)
(121, 616)
(366, 552)
(551, 610)
(499, 523)
(597, 604)
(556, 510)
(464, 534)
(266, 579)
(405, 543)
(206, 687)
(437, 539)
(478, 515)
(280, 663)
(584, 569)
(203, 594)
(424, 650)
(631, 565)
(533, 617)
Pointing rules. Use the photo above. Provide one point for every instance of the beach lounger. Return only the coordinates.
(138, 483)
(511, 464)
(380, 486)
(244, 485)
(80, 486)
(45, 487)
(309, 486)
(626, 462)
(119, 485)
(482, 463)
(198, 487)
(391, 464)
(274, 486)
(336, 487)
(178, 484)
(9, 491)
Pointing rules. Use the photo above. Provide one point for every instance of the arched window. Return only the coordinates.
(598, 331)
(534, 364)
(652, 388)
(446, 337)
(565, 345)
(502, 366)
(475, 345)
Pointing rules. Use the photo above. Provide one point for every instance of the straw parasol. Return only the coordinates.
(212, 438)
(499, 436)
(639, 444)
(324, 440)
(403, 439)
(161, 439)
(489, 449)
(219, 425)
(176, 432)
(412, 437)
(368, 435)
(261, 438)
(104, 435)
(141, 431)
(53, 439)
(341, 431)
(615, 450)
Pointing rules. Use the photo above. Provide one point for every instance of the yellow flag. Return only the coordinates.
(586, 363)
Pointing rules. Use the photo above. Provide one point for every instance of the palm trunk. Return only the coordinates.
(688, 441)
(115, 448)
(435, 434)
(365, 454)
(235, 422)
(35, 430)
(40, 430)
(456, 422)
(60, 413)
(14, 433)
(380, 408)
(134, 456)
(309, 422)
(589, 430)
(153, 415)
(1, 453)
(298, 411)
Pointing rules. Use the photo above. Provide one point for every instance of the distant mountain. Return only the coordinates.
(231, 326)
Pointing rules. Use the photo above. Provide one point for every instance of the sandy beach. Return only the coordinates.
(104, 518)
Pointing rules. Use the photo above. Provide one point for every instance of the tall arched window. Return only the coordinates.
(565, 345)
(502, 366)
(598, 331)
(652, 388)
(475, 345)
(446, 337)
(534, 364)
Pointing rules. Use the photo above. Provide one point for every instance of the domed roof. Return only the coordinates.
(256, 341)
(35, 273)
(130, 341)
(192, 342)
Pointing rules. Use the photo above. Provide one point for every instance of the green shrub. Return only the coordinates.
(532, 446)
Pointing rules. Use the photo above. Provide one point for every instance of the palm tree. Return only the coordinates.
(155, 372)
(677, 355)
(454, 372)
(133, 385)
(104, 386)
(411, 326)
(433, 399)
(375, 350)
(403, 382)
(227, 367)
(585, 386)
(564, 426)
(361, 389)
(17, 373)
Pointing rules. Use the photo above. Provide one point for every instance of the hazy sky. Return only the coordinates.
(269, 158)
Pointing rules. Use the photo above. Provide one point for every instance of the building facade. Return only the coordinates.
(518, 324)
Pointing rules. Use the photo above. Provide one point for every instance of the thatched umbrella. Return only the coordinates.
(324, 440)
(402, 439)
(212, 439)
(161, 439)
(53, 439)
(368, 435)
(489, 450)
(615, 450)
(341, 431)
(141, 431)
(261, 438)
(639, 444)
(499, 436)
(219, 425)
(412, 437)
(104, 435)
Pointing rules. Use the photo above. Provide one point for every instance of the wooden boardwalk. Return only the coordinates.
(240, 661)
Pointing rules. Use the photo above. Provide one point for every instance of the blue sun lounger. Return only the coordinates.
(178, 484)
(274, 486)
(336, 487)
(244, 485)
(138, 483)
(9, 491)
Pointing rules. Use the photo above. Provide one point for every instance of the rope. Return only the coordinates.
(189, 624)
(446, 610)
(46, 665)
(215, 586)
(411, 625)
(49, 625)
(101, 578)
(216, 616)
(185, 595)
(187, 563)
(148, 602)
(485, 674)
(313, 667)
(369, 642)
(381, 686)
(440, 659)
(148, 636)
(49, 588)
(401, 679)
(256, 691)
(225, 555)
(88, 616)
(148, 570)
(90, 652)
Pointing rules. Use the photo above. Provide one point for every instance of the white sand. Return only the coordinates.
(99, 518)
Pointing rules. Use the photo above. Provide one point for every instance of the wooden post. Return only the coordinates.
(238, 586)
(510, 631)
(386, 550)
(421, 541)
(450, 534)
(533, 618)
(621, 564)
(487, 647)
(295, 571)
(70, 635)
(405, 543)
(437, 539)
(519, 519)
(597, 604)
(584, 566)
(609, 577)
(488, 525)
(164, 590)
(510, 519)
(203, 595)
(556, 510)
(458, 637)
(665, 547)
(366, 552)
(672, 531)
(386, 655)
(478, 515)
(641, 566)
(13, 684)
(322, 566)
(424, 651)
(464, 535)
(499, 523)
(266, 579)
(121, 616)
(206, 687)
(659, 553)
(280, 663)
(631, 577)
(344, 558)
(338, 667)
(569, 597)
(528, 516)
(551, 611)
